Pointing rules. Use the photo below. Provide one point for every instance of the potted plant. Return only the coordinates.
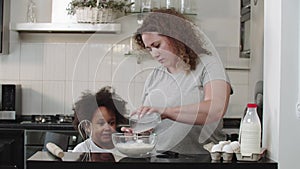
(85, 10)
(97, 10)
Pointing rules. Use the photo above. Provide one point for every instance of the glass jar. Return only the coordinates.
(173, 4)
(146, 6)
(185, 6)
(136, 7)
(155, 4)
(163, 3)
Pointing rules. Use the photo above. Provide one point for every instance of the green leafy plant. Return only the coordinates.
(121, 6)
(116, 5)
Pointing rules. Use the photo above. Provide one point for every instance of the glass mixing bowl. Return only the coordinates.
(134, 145)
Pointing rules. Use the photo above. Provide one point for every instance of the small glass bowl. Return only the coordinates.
(144, 123)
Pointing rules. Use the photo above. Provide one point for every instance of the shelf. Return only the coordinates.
(66, 27)
(128, 13)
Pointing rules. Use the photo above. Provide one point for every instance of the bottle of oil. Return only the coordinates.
(250, 132)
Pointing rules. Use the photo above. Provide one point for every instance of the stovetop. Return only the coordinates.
(41, 122)
(48, 119)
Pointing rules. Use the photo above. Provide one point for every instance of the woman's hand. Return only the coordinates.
(147, 110)
(140, 112)
(130, 131)
(126, 130)
(211, 109)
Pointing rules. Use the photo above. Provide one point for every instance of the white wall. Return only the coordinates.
(220, 20)
(44, 63)
(257, 46)
(272, 69)
(281, 72)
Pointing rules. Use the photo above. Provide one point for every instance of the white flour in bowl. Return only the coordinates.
(135, 148)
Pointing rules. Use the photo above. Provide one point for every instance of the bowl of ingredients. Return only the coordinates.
(144, 123)
(134, 145)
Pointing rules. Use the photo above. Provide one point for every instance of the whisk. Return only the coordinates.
(85, 130)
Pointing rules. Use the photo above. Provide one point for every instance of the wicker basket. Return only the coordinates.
(105, 15)
(95, 15)
(86, 15)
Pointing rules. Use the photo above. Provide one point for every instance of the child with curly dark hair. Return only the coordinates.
(105, 110)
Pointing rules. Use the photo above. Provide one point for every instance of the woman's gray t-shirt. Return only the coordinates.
(163, 89)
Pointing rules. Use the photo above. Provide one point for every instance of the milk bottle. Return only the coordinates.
(250, 132)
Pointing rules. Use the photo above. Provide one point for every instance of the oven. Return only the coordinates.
(41, 129)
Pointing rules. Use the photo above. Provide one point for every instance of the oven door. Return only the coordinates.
(35, 140)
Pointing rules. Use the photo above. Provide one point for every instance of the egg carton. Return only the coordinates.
(252, 157)
(227, 155)
(217, 156)
(224, 150)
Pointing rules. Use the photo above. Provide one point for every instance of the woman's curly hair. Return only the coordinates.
(179, 29)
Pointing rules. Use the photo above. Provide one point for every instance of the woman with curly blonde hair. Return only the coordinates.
(190, 89)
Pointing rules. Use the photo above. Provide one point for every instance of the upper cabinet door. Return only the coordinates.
(4, 26)
(245, 29)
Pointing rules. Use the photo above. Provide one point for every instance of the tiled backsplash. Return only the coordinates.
(53, 75)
